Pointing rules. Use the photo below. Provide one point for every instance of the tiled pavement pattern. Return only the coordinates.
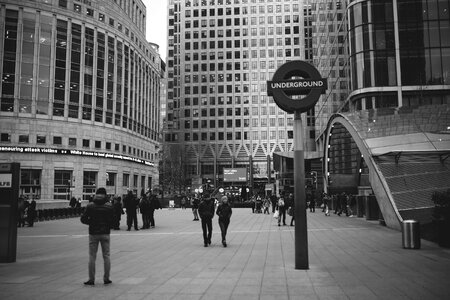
(349, 258)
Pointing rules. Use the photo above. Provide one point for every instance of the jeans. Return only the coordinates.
(223, 224)
(207, 229)
(94, 240)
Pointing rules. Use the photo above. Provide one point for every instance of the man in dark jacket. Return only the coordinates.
(206, 212)
(99, 216)
(224, 212)
(131, 203)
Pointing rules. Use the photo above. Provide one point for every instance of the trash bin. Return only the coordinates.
(372, 209)
(411, 234)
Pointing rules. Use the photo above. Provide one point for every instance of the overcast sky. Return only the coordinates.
(157, 24)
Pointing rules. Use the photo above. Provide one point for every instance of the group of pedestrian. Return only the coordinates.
(26, 211)
(344, 203)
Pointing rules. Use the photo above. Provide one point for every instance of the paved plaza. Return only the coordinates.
(349, 258)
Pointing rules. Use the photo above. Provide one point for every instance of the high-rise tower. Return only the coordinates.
(220, 55)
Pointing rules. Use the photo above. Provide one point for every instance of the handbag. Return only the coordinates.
(276, 214)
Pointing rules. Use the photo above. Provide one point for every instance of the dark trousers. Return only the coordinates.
(207, 229)
(117, 221)
(223, 228)
(30, 218)
(151, 217)
(132, 218)
(145, 220)
(282, 215)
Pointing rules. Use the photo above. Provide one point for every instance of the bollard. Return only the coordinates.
(411, 234)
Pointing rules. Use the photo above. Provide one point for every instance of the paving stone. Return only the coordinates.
(349, 258)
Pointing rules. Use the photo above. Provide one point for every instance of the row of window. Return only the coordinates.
(74, 142)
(230, 100)
(64, 180)
(237, 123)
(261, 20)
(237, 11)
(230, 136)
(260, 31)
(90, 12)
(195, 3)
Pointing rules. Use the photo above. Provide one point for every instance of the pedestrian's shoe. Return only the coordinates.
(209, 241)
(205, 245)
(129, 228)
(224, 243)
(137, 229)
(89, 282)
(278, 224)
(107, 281)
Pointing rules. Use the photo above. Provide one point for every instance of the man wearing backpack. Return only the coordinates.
(281, 210)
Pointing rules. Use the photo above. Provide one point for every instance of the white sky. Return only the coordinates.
(157, 24)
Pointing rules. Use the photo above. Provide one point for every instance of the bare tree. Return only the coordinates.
(172, 169)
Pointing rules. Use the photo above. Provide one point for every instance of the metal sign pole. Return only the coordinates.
(301, 232)
(282, 87)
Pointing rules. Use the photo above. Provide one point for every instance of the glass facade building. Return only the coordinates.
(388, 133)
(80, 96)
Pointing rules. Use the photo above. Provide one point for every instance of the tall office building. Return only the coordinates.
(220, 55)
(80, 90)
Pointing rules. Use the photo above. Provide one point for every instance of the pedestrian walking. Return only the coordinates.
(99, 216)
(183, 202)
(266, 205)
(117, 212)
(31, 213)
(206, 212)
(281, 211)
(154, 204)
(273, 200)
(145, 208)
(131, 204)
(342, 200)
(349, 200)
(195, 203)
(291, 205)
(21, 207)
(224, 212)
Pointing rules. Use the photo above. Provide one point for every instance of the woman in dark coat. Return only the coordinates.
(224, 212)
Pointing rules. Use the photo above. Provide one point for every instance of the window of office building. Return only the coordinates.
(89, 184)
(111, 178)
(62, 182)
(30, 182)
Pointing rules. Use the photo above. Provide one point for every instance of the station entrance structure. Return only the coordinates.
(399, 153)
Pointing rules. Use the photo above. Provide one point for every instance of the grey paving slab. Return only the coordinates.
(349, 258)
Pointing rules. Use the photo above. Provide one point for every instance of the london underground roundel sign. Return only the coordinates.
(282, 86)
